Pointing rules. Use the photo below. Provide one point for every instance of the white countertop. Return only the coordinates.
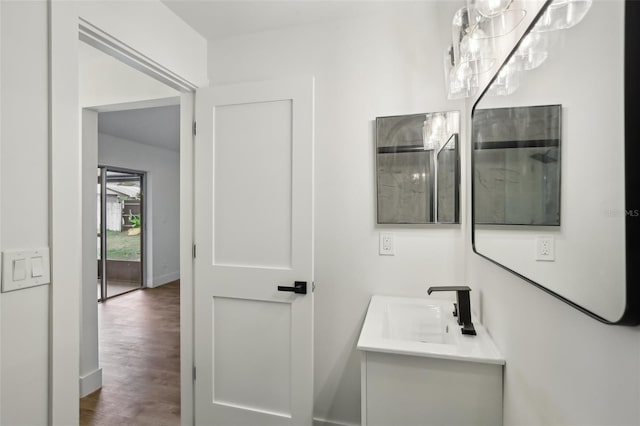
(400, 325)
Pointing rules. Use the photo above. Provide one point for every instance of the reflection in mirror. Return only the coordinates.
(418, 168)
(517, 167)
(566, 235)
(448, 181)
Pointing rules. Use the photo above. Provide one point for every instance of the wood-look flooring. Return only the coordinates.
(140, 360)
(115, 288)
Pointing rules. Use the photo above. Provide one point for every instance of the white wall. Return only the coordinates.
(563, 368)
(162, 198)
(377, 65)
(24, 206)
(104, 80)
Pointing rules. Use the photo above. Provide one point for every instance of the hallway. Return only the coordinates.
(140, 360)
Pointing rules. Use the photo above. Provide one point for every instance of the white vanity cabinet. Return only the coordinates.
(418, 369)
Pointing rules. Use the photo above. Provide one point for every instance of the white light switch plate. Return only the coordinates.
(25, 268)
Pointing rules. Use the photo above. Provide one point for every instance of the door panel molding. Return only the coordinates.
(253, 283)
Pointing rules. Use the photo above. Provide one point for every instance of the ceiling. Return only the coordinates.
(218, 19)
(213, 19)
(159, 126)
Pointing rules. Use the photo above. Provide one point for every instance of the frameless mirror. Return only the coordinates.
(418, 168)
(552, 156)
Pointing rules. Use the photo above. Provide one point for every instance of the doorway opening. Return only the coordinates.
(121, 229)
(130, 328)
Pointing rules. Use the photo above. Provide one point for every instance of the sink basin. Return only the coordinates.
(423, 327)
(416, 321)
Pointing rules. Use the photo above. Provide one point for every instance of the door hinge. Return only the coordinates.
(194, 128)
(194, 373)
(194, 251)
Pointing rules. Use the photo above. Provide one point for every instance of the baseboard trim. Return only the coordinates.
(91, 382)
(324, 422)
(165, 279)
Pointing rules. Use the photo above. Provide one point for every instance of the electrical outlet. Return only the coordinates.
(545, 250)
(387, 244)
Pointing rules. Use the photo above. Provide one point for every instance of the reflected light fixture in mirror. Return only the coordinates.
(532, 51)
(489, 8)
(440, 131)
(498, 25)
(491, 18)
(438, 128)
(562, 14)
(507, 81)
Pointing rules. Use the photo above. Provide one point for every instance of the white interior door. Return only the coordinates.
(253, 233)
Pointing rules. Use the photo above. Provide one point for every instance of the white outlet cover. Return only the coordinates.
(545, 248)
(387, 244)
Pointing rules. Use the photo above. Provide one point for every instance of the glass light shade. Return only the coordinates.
(434, 130)
(459, 29)
(453, 122)
(462, 80)
(438, 128)
(562, 14)
(507, 81)
(473, 49)
(498, 25)
(489, 8)
(532, 51)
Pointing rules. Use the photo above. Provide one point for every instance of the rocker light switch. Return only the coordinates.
(36, 266)
(19, 269)
(25, 268)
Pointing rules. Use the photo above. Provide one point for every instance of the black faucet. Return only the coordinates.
(462, 309)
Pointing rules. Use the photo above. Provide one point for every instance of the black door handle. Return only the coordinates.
(299, 287)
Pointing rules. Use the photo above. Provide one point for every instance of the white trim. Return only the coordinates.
(363, 388)
(323, 422)
(104, 42)
(91, 382)
(165, 279)
(187, 116)
(153, 103)
(65, 219)
(65, 184)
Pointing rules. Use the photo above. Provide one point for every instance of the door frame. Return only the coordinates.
(66, 29)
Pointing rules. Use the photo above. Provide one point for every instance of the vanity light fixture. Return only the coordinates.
(471, 53)
(466, 58)
(474, 28)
